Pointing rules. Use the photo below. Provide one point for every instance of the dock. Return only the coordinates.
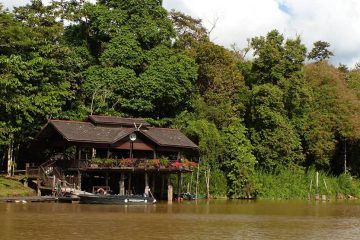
(29, 199)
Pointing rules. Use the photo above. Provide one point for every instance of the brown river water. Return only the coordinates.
(218, 219)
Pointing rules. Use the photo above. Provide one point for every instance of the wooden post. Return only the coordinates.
(79, 180)
(146, 191)
(79, 157)
(122, 184)
(317, 183)
(27, 166)
(154, 155)
(162, 186)
(179, 186)
(207, 179)
(79, 153)
(129, 184)
(93, 153)
(170, 191)
(197, 180)
(107, 179)
(53, 185)
(345, 170)
(153, 183)
(191, 180)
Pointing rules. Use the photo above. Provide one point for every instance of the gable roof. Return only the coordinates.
(75, 131)
(87, 132)
(168, 137)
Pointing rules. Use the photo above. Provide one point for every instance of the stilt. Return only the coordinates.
(107, 179)
(170, 191)
(90, 189)
(79, 180)
(38, 186)
(153, 183)
(179, 186)
(162, 186)
(129, 184)
(146, 191)
(122, 184)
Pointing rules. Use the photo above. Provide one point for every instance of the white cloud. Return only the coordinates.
(334, 21)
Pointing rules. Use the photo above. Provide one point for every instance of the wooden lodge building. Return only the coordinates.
(122, 155)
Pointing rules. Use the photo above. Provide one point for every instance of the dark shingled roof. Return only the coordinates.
(168, 137)
(74, 131)
(87, 132)
(110, 120)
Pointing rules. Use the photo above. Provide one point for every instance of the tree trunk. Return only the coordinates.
(10, 159)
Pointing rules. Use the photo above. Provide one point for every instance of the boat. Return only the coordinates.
(115, 199)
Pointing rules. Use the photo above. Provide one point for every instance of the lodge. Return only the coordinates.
(125, 156)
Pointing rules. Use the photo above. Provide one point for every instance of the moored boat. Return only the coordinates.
(115, 199)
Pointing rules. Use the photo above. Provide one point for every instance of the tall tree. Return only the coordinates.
(131, 42)
(278, 97)
(238, 162)
(320, 51)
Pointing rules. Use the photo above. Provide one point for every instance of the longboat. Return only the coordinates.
(115, 199)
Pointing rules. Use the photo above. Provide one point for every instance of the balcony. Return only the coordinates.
(136, 164)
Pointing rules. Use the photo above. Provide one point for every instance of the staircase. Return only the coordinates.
(49, 175)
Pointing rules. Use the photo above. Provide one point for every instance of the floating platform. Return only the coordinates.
(29, 199)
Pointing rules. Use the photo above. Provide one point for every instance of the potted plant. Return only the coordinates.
(164, 162)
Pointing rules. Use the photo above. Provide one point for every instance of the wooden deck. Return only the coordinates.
(28, 199)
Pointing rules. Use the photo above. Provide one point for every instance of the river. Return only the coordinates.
(217, 219)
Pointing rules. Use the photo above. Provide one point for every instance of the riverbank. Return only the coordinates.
(298, 184)
(10, 187)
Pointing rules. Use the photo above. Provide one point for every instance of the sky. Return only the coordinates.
(333, 21)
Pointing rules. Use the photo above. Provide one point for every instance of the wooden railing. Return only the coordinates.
(135, 163)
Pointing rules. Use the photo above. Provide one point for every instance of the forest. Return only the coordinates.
(265, 117)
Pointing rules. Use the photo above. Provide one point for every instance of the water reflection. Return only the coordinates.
(188, 220)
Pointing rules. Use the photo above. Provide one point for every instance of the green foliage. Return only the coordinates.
(9, 188)
(273, 114)
(33, 76)
(137, 72)
(291, 183)
(275, 59)
(275, 141)
(238, 162)
(209, 141)
(320, 51)
(295, 183)
(333, 112)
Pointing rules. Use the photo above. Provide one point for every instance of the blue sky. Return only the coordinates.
(334, 21)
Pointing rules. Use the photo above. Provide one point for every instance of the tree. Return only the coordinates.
(133, 39)
(239, 162)
(276, 59)
(33, 73)
(333, 118)
(209, 140)
(320, 51)
(278, 96)
(190, 31)
(276, 143)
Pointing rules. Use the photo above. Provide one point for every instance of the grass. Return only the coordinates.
(9, 187)
(298, 184)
